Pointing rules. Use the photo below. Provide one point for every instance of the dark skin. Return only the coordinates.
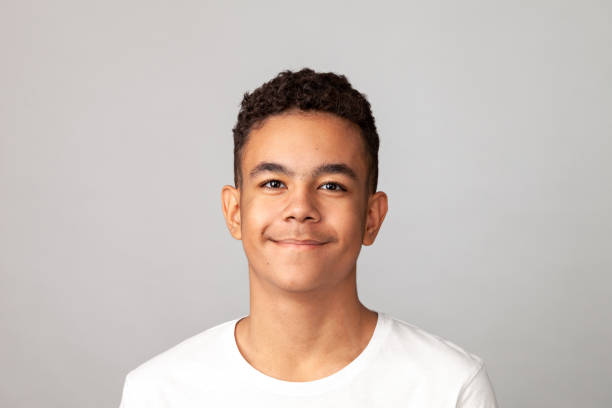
(302, 223)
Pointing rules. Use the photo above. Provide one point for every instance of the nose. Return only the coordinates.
(302, 206)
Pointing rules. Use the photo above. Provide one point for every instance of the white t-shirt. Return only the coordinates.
(402, 366)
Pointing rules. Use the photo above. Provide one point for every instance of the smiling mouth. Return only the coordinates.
(299, 244)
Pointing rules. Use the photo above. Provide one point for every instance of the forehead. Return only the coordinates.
(302, 141)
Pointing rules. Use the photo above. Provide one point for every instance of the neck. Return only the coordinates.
(302, 336)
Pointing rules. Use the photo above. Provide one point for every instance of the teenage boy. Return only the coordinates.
(303, 204)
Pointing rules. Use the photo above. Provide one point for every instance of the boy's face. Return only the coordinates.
(302, 229)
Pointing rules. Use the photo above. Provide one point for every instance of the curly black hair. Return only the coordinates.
(307, 90)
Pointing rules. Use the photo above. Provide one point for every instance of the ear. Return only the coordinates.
(377, 209)
(230, 199)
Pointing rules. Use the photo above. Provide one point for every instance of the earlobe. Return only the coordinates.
(377, 209)
(230, 201)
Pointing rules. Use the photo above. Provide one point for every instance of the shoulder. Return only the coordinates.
(429, 353)
(444, 373)
(198, 355)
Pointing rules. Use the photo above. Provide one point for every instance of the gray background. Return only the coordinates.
(116, 117)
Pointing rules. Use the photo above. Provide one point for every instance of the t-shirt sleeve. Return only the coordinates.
(136, 393)
(127, 396)
(477, 392)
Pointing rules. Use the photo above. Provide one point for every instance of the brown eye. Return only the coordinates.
(335, 187)
(272, 184)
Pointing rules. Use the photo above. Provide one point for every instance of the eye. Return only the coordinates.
(272, 184)
(335, 186)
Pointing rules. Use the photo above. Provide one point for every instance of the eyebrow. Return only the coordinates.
(326, 168)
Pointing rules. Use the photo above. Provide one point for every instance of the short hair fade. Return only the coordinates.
(307, 90)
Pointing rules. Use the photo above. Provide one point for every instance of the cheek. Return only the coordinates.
(256, 217)
(349, 225)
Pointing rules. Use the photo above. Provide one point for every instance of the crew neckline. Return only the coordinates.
(303, 388)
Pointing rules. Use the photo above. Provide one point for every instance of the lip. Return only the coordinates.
(299, 244)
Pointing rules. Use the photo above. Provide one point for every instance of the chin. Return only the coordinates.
(297, 280)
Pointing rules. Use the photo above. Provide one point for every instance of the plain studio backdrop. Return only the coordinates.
(495, 121)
